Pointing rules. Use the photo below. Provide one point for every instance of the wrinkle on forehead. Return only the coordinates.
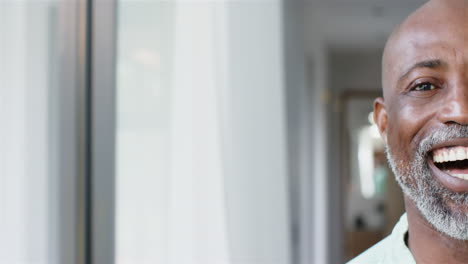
(434, 22)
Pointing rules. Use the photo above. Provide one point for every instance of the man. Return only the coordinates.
(423, 120)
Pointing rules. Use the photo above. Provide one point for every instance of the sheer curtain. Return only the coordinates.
(170, 200)
(26, 146)
(202, 171)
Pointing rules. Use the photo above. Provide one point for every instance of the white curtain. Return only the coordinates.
(201, 143)
(198, 216)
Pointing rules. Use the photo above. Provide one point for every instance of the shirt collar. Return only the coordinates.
(398, 252)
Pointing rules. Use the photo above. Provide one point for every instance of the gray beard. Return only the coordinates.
(431, 198)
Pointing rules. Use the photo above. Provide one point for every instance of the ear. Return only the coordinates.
(380, 118)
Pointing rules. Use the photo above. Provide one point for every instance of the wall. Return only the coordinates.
(355, 69)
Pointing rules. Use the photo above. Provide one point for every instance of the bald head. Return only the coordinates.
(424, 112)
(436, 21)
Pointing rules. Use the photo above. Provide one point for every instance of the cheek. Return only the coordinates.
(406, 124)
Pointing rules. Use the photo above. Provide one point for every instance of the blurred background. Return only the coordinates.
(193, 132)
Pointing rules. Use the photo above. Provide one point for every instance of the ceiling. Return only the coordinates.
(354, 24)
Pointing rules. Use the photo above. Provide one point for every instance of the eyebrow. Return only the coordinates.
(431, 64)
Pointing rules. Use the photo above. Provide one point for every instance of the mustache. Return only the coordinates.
(440, 135)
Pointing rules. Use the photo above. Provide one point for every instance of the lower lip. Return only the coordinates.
(452, 183)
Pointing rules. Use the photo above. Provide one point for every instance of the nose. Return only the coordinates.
(455, 108)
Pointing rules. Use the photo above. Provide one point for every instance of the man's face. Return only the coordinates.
(424, 118)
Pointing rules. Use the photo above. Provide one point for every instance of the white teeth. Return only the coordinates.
(450, 154)
(460, 154)
(459, 175)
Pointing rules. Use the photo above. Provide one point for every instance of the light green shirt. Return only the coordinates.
(391, 250)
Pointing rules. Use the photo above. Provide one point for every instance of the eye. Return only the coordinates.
(424, 87)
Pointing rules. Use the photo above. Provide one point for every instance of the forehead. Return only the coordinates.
(416, 44)
(428, 34)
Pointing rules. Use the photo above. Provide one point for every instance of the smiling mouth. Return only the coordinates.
(452, 160)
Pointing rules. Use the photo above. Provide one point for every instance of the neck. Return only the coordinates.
(430, 246)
